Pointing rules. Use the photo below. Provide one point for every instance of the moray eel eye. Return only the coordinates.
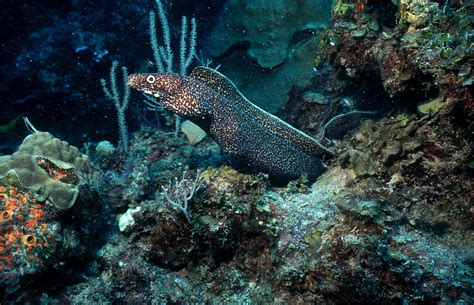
(150, 79)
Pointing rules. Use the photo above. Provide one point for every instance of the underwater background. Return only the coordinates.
(187, 193)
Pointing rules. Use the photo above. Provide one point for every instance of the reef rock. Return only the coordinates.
(281, 38)
(268, 27)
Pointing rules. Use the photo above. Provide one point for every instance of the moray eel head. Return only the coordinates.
(173, 91)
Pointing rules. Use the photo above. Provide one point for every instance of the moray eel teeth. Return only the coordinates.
(246, 132)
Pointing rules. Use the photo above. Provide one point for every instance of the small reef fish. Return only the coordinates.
(246, 132)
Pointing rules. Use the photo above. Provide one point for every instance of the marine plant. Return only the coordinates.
(179, 193)
(163, 54)
(120, 101)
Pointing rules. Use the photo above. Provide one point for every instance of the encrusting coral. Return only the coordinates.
(24, 233)
(50, 167)
(39, 185)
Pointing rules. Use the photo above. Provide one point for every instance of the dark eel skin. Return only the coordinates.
(244, 131)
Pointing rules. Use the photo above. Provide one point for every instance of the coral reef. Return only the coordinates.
(262, 26)
(37, 190)
(387, 86)
(394, 234)
(49, 167)
(26, 238)
(422, 53)
(280, 49)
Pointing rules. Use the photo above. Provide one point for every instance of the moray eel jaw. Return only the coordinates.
(172, 91)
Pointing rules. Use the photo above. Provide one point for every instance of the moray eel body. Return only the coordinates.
(244, 131)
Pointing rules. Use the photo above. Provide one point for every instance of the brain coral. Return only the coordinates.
(49, 167)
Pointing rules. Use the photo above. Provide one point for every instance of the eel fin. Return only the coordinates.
(224, 86)
(219, 83)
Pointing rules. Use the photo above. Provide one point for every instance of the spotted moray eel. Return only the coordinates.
(244, 131)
